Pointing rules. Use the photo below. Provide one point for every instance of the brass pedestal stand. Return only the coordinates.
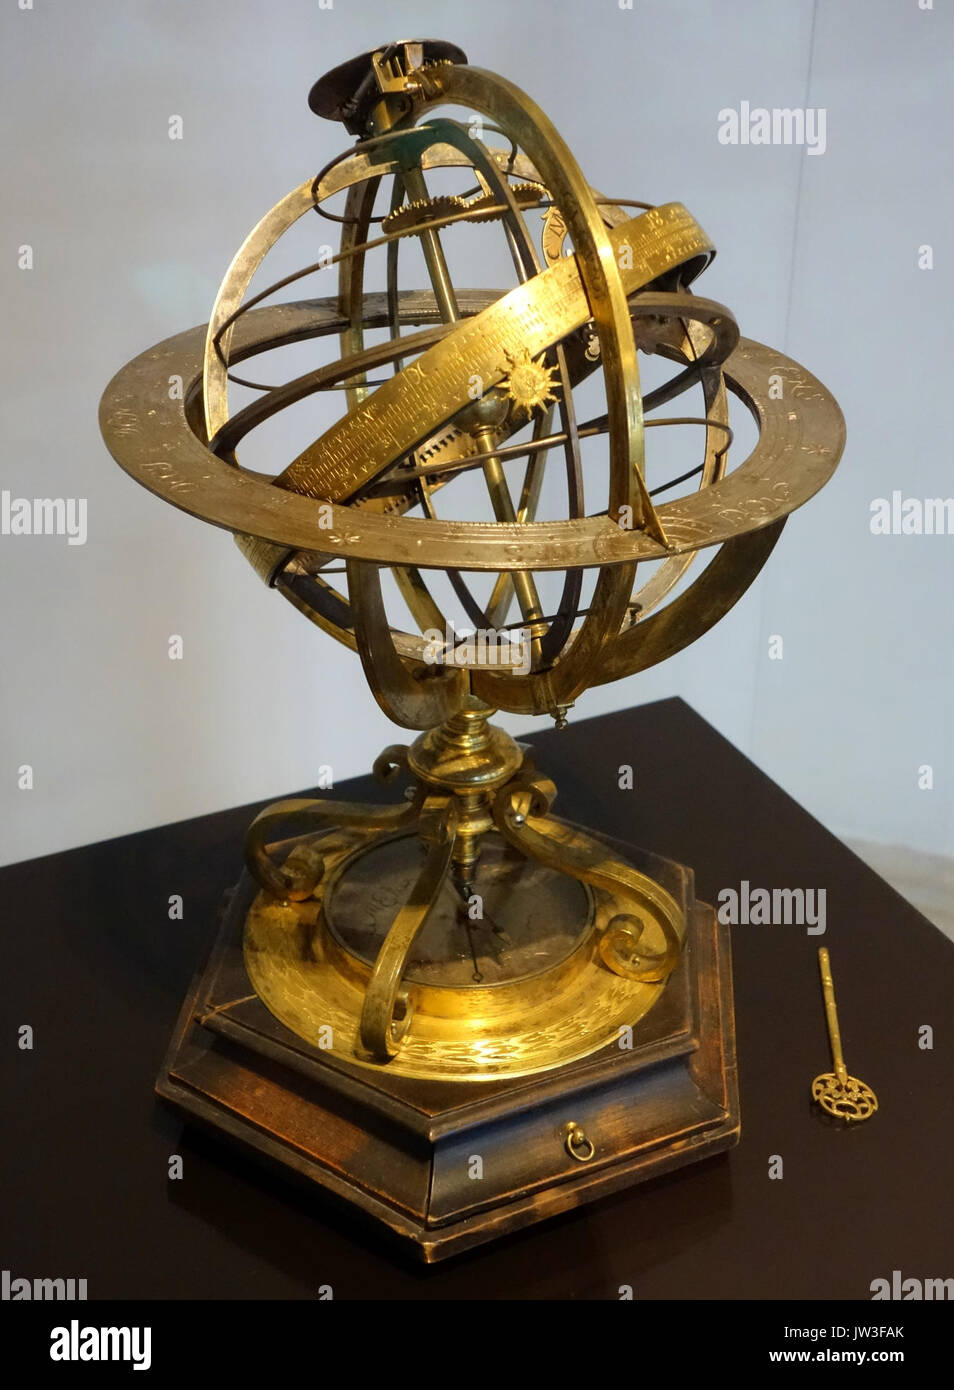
(460, 1013)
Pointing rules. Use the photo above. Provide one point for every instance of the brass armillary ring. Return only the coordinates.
(609, 284)
(165, 453)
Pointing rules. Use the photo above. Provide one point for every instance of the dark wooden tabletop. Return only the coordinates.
(95, 966)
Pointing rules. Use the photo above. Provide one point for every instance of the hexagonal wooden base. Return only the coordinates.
(403, 1152)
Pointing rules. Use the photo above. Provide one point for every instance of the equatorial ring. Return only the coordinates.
(162, 446)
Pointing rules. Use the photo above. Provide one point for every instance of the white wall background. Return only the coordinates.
(132, 232)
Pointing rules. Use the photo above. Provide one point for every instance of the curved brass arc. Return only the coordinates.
(312, 814)
(381, 1031)
(599, 273)
(312, 595)
(650, 594)
(704, 347)
(359, 208)
(720, 337)
(693, 612)
(526, 122)
(412, 703)
(358, 168)
(520, 810)
(715, 326)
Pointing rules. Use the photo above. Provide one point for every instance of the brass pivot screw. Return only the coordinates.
(578, 1146)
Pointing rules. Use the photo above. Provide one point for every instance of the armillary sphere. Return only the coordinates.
(467, 932)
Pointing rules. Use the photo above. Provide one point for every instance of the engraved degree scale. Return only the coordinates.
(399, 989)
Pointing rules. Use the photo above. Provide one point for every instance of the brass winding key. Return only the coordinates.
(836, 1092)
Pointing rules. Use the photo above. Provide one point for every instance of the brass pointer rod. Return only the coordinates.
(831, 1015)
(523, 585)
(433, 252)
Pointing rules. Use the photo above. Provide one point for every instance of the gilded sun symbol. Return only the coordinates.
(529, 383)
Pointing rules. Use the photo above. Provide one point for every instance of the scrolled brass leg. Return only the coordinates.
(620, 948)
(390, 762)
(291, 884)
(521, 813)
(386, 1013)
